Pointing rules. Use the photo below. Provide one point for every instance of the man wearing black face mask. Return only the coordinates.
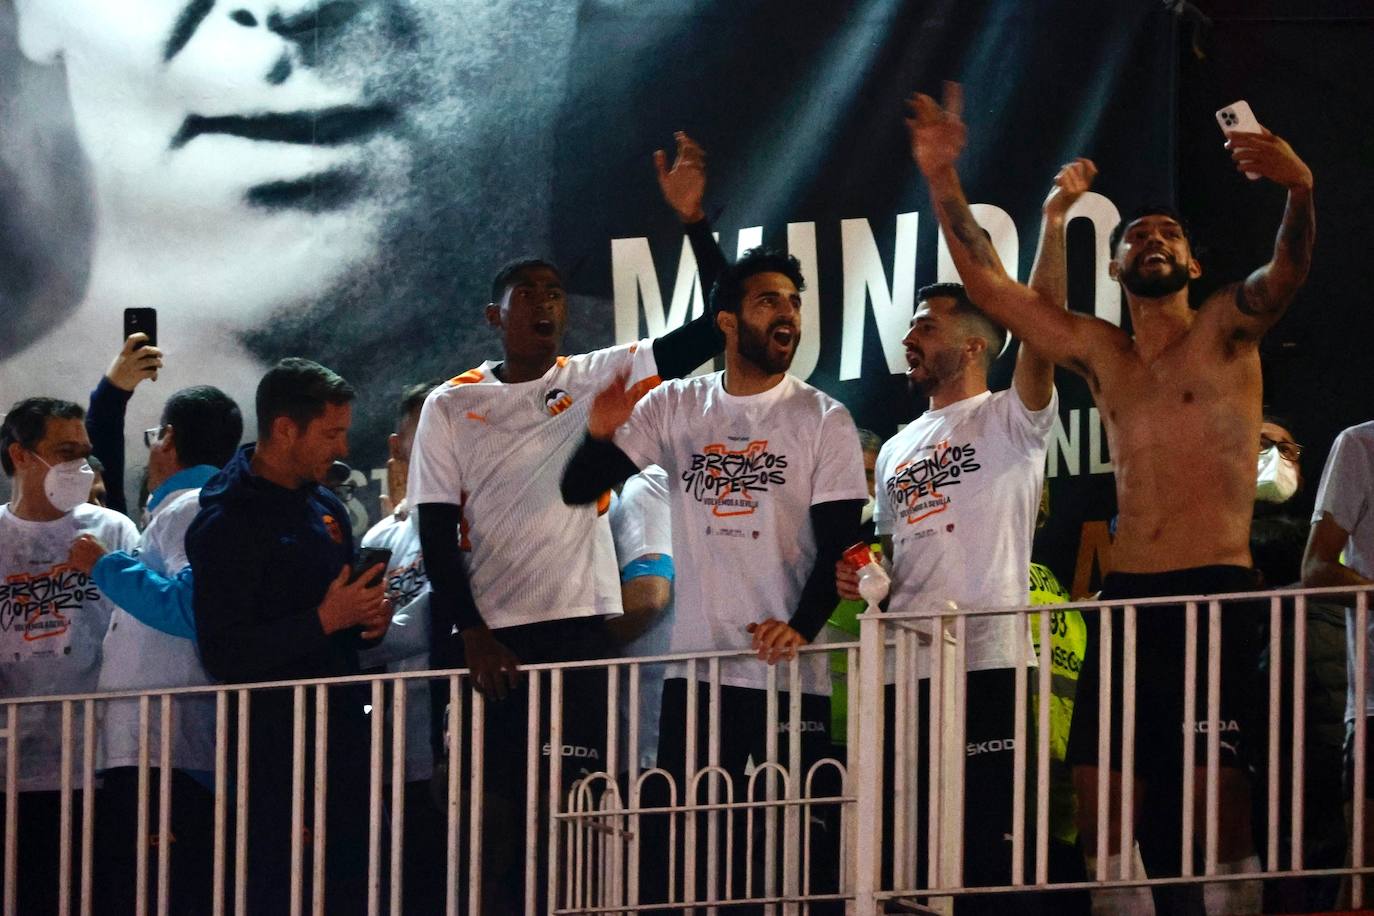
(52, 618)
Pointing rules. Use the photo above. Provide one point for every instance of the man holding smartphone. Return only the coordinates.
(151, 644)
(276, 599)
(1181, 403)
(137, 361)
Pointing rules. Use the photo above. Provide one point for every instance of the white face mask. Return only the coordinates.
(1277, 479)
(68, 483)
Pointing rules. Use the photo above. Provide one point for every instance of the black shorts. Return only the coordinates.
(989, 789)
(584, 703)
(1160, 630)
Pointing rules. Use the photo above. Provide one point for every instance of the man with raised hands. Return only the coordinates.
(1181, 403)
(767, 486)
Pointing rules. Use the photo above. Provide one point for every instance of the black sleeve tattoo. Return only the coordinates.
(972, 236)
(1268, 291)
(1298, 232)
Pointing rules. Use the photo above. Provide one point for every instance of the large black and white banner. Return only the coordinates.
(339, 179)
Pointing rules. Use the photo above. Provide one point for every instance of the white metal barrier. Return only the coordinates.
(793, 831)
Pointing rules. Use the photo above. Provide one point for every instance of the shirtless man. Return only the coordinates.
(1181, 402)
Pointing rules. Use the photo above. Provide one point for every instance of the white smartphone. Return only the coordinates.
(1238, 118)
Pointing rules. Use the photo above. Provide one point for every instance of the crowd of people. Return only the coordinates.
(549, 508)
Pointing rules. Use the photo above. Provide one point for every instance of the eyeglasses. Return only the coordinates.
(152, 436)
(1289, 451)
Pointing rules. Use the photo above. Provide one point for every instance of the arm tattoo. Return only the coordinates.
(1269, 290)
(1297, 233)
(963, 227)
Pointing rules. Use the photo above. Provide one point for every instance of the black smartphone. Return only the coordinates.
(145, 320)
(367, 558)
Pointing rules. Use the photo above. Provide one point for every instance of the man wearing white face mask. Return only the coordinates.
(52, 617)
(1278, 478)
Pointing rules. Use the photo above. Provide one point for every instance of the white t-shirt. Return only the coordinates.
(958, 490)
(641, 522)
(406, 644)
(498, 452)
(52, 622)
(137, 656)
(1347, 492)
(745, 472)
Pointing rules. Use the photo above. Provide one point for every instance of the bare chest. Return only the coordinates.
(1187, 401)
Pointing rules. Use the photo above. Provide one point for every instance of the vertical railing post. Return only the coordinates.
(374, 799)
(1359, 814)
(867, 778)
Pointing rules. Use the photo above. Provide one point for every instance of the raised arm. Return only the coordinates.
(135, 362)
(680, 351)
(937, 138)
(1264, 296)
(1034, 373)
(599, 464)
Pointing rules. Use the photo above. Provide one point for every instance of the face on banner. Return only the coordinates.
(258, 149)
(275, 178)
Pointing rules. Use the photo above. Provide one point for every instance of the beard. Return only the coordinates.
(938, 368)
(754, 346)
(1154, 286)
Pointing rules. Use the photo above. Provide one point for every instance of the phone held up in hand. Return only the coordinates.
(367, 558)
(1237, 118)
(141, 320)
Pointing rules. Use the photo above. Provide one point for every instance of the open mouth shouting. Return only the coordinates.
(784, 334)
(1156, 258)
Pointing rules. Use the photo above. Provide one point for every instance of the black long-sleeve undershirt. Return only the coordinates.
(835, 526)
(681, 350)
(596, 466)
(451, 600)
(452, 603)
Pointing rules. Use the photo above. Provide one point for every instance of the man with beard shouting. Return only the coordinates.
(1181, 402)
(768, 483)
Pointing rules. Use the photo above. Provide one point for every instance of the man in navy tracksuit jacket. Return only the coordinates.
(270, 554)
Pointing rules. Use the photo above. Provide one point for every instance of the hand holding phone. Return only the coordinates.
(1237, 118)
(136, 361)
(141, 321)
(369, 557)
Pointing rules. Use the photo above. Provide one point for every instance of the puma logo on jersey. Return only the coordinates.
(479, 417)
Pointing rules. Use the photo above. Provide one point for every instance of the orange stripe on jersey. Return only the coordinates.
(644, 386)
(562, 361)
(472, 375)
(603, 503)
